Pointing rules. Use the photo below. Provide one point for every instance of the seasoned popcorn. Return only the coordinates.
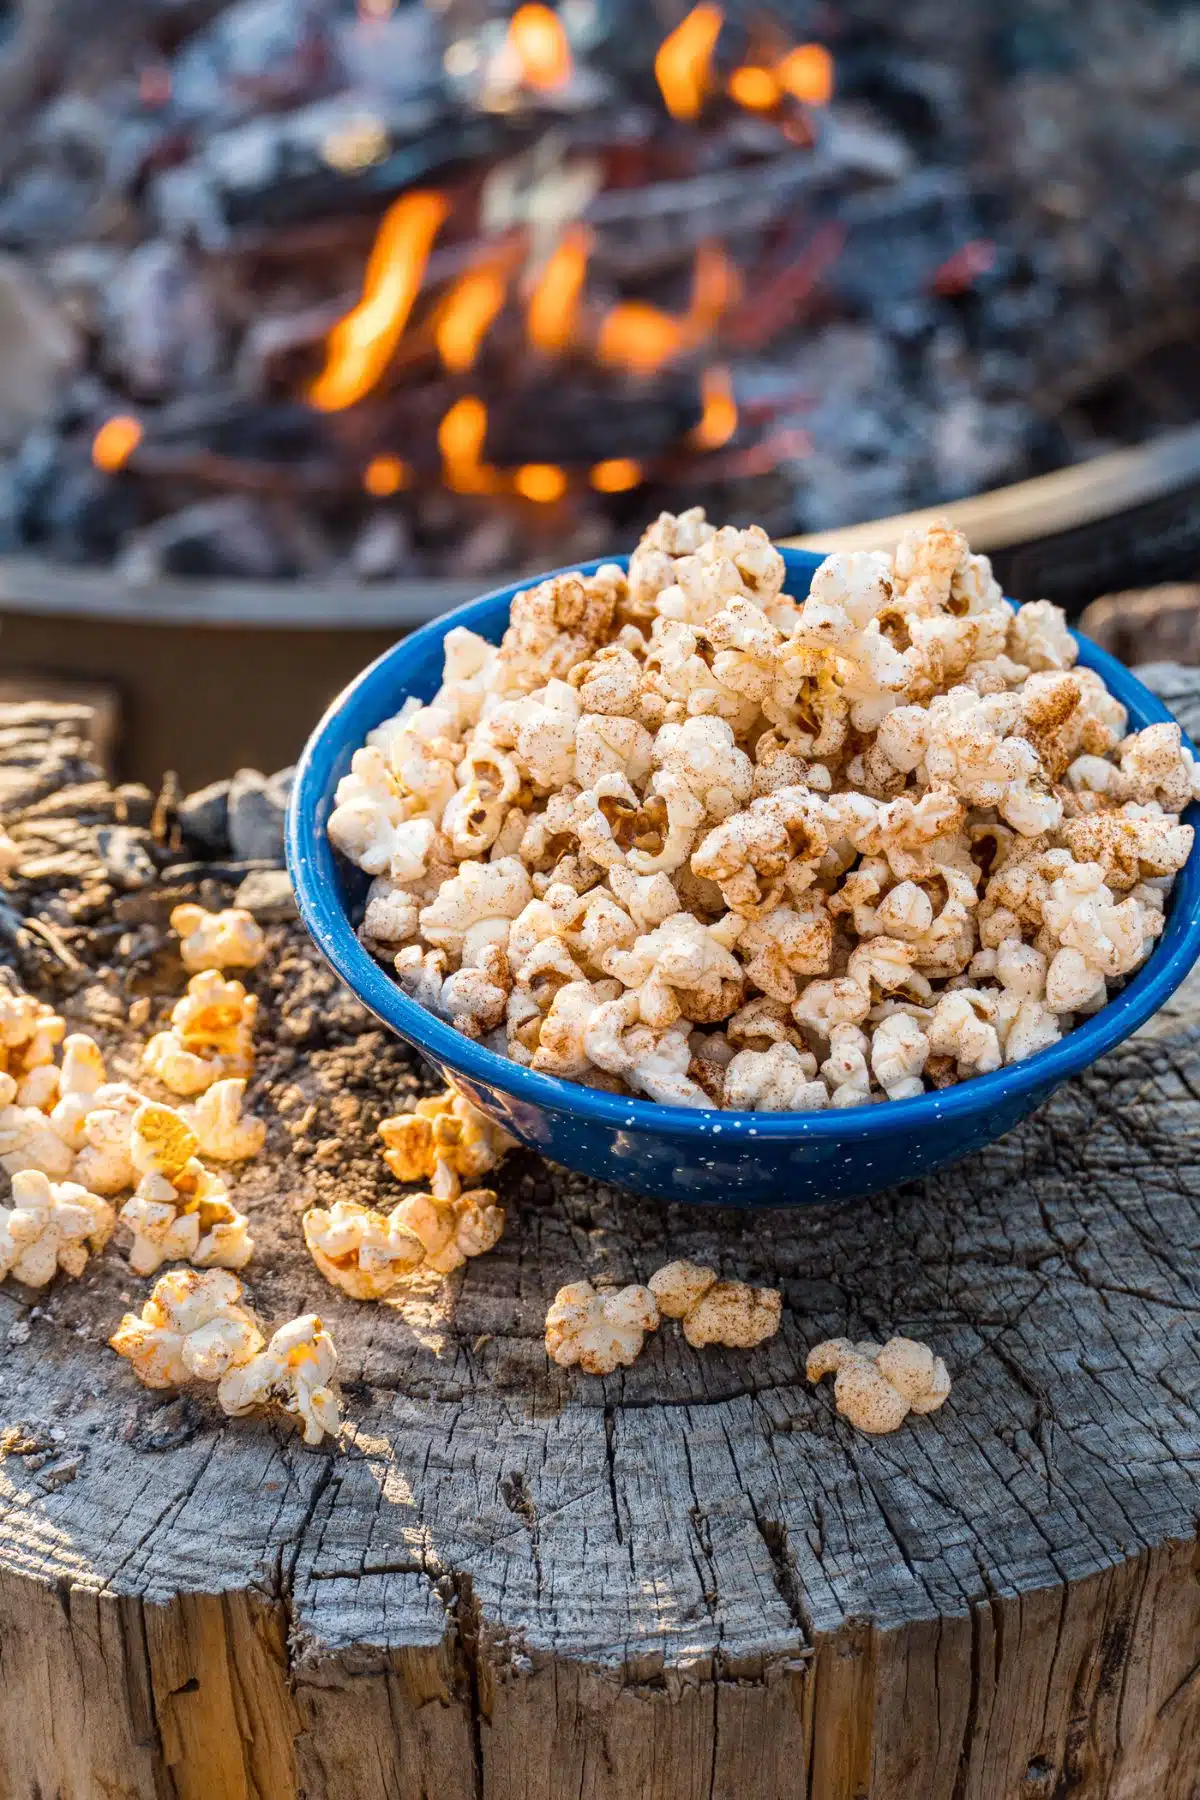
(296, 1372)
(361, 1251)
(713, 1311)
(192, 1328)
(179, 1209)
(211, 1035)
(682, 836)
(223, 1131)
(50, 1226)
(599, 1331)
(878, 1385)
(222, 940)
(445, 1141)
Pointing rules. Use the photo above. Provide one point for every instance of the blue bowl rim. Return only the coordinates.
(312, 865)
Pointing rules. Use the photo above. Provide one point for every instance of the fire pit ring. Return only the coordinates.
(258, 661)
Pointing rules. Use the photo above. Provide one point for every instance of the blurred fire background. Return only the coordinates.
(421, 294)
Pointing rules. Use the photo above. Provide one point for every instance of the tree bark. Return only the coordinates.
(690, 1581)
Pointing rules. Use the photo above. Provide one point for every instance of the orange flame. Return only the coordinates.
(683, 65)
(461, 437)
(716, 286)
(553, 310)
(539, 45)
(806, 73)
(755, 88)
(638, 337)
(540, 481)
(616, 476)
(465, 315)
(115, 443)
(361, 345)
(719, 419)
(386, 475)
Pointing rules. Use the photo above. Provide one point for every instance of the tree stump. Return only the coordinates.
(689, 1581)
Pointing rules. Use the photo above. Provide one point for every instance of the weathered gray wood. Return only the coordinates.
(691, 1580)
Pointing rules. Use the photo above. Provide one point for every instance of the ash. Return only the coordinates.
(940, 275)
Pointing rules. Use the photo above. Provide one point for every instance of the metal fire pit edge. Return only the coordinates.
(257, 662)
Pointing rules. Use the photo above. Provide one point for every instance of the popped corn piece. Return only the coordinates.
(481, 808)
(390, 917)
(761, 1023)
(839, 616)
(681, 969)
(777, 842)
(652, 564)
(361, 1251)
(1099, 937)
(231, 939)
(76, 1086)
(727, 565)
(650, 1059)
(786, 942)
(104, 1163)
(703, 755)
(976, 748)
(29, 1033)
(447, 1136)
(715, 1312)
(192, 1328)
(179, 1208)
(899, 1051)
(887, 964)
(453, 1229)
(878, 1385)
(1129, 848)
(747, 647)
(824, 1005)
(473, 905)
(222, 1131)
(560, 1039)
(599, 1331)
(294, 1371)
(1157, 766)
(779, 1079)
(373, 821)
(557, 624)
(1038, 637)
(679, 680)
(546, 731)
(50, 1226)
(475, 996)
(606, 745)
(846, 1070)
(28, 1140)
(962, 1025)
(422, 974)
(210, 1036)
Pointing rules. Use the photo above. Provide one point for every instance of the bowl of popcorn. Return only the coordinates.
(732, 874)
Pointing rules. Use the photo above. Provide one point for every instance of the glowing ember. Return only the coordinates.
(554, 303)
(616, 476)
(720, 417)
(716, 286)
(460, 439)
(115, 443)
(806, 73)
(386, 475)
(361, 345)
(465, 315)
(539, 45)
(755, 88)
(683, 65)
(638, 337)
(540, 481)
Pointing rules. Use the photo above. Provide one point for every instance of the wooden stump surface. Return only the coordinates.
(691, 1580)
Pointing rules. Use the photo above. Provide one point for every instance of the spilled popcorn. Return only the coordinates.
(231, 939)
(683, 836)
(605, 1330)
(194, 1327)
(878, 1385)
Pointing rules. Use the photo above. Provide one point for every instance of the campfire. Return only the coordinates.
(426, 289)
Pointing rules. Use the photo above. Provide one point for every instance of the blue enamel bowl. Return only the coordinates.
(724, 1158)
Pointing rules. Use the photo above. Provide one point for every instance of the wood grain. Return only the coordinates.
(690, 1581)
